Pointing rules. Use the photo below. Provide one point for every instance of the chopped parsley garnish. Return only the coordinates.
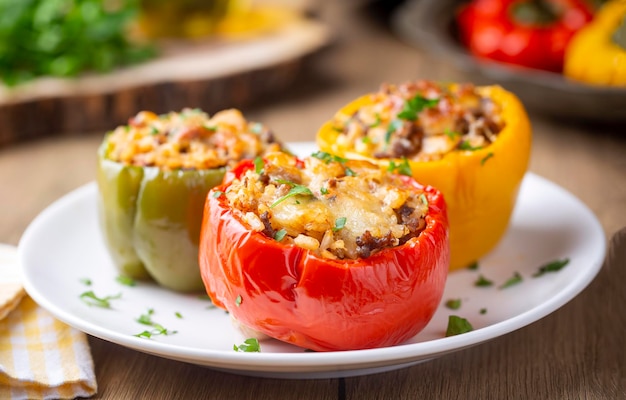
(258, 165)
(393, 126)
(465, 145)
(144, 334)
(423, 199)
(86, 281)
(155, 332)
(211, 128)
(453, 304)
(340, 223)
(482, 282)
(415, 105)
(485, 158)
(250, 345)
(294, 191)
(458, 325)
(126, 280)
(154, 130)
(403, 168)
(327, 157)
(238, 301)
(256, 127)
(366, 139)
(280, 234)
(552, 266)
(178, 315)
(473, 266)
(450, 133)
(217, 194)
(146, 319)
(323, 190)
(376, 122)
(483, 311)
(514, 280)
(91, 299)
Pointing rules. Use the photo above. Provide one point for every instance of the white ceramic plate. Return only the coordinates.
(63, 246)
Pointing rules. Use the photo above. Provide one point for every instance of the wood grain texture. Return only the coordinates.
(133, 375)
(212, 73)
(91, 112)
(575, 353)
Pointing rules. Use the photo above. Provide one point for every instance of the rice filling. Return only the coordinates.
(339, 209)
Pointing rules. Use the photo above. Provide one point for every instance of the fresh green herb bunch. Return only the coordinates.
(66, 37)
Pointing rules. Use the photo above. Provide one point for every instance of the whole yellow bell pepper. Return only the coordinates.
(480, 184)
(597, 53)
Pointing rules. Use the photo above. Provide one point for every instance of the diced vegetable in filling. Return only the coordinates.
(339, 209)
(189, 139)
(420, 121)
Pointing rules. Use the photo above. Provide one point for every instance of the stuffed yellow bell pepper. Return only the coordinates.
(153, 176)
(472, 143)
(597, 53)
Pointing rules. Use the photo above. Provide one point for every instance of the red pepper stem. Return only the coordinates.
(535, 12)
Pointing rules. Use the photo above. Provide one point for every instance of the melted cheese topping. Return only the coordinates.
(334, 207)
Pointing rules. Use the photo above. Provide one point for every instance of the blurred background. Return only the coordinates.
(71, 70)
(82, 66)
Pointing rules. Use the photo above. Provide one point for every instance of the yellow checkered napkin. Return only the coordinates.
(41, 357)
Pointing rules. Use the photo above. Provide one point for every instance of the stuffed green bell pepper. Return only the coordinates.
(153, 176)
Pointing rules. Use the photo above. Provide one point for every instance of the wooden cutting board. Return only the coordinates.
(211, 74)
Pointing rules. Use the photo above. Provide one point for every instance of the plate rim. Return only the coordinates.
(286, 364)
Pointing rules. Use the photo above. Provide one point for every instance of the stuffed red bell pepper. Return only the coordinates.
(323, 252)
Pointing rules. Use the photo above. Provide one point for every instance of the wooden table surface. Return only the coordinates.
(577, 352)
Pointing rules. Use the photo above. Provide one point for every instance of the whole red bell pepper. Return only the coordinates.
(529, 33)
(293, 295)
